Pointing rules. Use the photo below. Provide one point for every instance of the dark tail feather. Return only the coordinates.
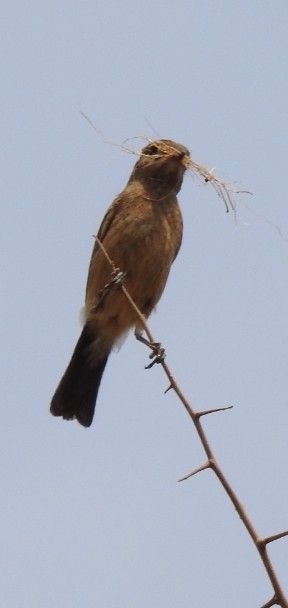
(76, 395)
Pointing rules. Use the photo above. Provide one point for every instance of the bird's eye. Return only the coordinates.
(152, 150)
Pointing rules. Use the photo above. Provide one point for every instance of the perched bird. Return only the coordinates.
(141, 232)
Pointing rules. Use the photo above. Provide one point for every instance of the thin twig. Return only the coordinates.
(279, 597)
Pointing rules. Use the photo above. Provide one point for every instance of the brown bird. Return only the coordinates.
(142, 233)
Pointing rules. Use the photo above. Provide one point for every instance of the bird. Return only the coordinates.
(141, 232)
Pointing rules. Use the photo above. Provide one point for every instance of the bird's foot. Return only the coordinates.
(117, 280)
(158, 353)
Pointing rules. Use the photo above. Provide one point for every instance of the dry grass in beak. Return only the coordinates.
(223, 189)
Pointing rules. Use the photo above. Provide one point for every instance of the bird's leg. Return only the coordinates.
(158, 353)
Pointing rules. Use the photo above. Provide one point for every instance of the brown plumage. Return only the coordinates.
(141, 232)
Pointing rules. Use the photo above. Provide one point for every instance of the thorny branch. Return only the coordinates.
(278, 598)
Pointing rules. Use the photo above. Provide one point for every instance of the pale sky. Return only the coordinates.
(95, 517)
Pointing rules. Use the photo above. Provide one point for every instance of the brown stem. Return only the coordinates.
(260, 544)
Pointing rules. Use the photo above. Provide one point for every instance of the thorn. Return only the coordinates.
(272, 602)
(168, 389)
(218, 409)
(271, 539)
(206, 465)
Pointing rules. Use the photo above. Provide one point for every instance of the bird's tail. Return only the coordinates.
(76, 394)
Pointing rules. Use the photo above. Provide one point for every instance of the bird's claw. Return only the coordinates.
(157, 355)
(118, 277)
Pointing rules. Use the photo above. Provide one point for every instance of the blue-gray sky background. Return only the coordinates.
(95, 517)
